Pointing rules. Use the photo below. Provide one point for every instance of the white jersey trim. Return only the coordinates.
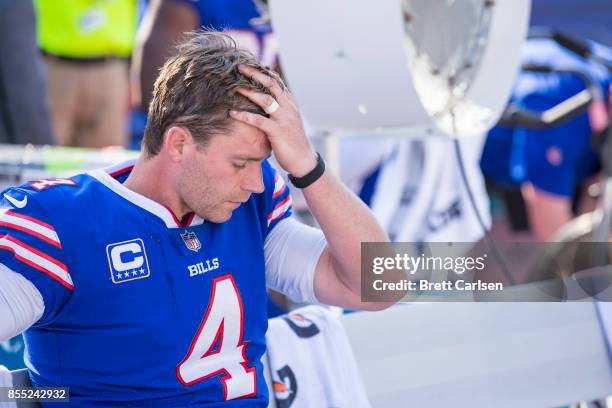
(104, 177)
(279, 186)
(280, 209)
(30, 225)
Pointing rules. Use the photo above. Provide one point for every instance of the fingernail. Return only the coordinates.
(233, 112)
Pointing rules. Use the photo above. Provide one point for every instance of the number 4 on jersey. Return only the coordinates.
(44, 184)
(222, 326)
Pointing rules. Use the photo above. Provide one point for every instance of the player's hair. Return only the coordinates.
(196, 89)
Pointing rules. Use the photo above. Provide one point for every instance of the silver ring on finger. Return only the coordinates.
(273, 107)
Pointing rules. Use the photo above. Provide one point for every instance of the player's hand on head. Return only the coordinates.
(283, 127)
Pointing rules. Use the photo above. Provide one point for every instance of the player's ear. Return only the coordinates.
(176, 139)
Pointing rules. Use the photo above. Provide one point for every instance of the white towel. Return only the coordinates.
(312, 362)
(421, 197)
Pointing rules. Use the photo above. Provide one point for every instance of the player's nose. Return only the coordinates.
(253, 180)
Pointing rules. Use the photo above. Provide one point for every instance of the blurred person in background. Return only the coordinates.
(549, 167)
(164, 25)
(24, 114)
(86, 46)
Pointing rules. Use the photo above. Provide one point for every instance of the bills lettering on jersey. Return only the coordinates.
(203, 267)
(128, 261)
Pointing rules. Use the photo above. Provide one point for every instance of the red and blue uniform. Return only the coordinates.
(142, 308)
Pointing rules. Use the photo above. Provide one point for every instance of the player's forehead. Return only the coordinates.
(244, 140)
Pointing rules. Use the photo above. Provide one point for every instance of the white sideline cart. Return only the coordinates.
(481, 354)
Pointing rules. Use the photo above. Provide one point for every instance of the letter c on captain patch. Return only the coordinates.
(120, 255)
(127, 260)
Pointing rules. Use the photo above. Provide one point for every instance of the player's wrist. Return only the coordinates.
(305, 165)
(310, 177)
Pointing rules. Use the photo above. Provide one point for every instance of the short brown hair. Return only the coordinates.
(196, 89)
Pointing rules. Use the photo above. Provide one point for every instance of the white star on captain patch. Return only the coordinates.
(142, 271)
(134, 273)
(119, 276)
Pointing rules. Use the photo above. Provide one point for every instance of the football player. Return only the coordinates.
(145, 283)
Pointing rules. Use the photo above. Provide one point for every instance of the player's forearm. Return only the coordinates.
(346, 223)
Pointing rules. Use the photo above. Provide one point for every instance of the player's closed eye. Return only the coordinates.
(239, 165)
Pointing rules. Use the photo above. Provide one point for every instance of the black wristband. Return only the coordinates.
(311, 177)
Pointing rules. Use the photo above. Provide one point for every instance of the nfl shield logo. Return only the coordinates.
(191, 241)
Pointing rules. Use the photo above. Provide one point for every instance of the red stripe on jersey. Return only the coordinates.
(119, 172)
(279, 205)
(190, 219)
(31, 232)
(279, 192)
(176, 220)
(37, 252)
(34, 265)
(34, 220)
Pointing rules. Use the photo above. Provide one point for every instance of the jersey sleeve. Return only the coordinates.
(292, 252)
(278, 197)
(30, 245)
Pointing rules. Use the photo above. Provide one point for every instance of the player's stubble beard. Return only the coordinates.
(202, 193)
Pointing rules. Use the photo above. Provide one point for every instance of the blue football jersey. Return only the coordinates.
(142, 308)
